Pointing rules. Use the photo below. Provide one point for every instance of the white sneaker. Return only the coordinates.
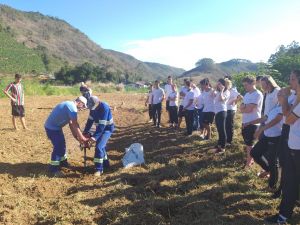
(150, 121)
(98, 174)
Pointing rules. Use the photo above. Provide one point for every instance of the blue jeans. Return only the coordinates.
(59, 148)
(100, 151)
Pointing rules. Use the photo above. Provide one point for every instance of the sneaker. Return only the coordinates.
(158, 126)
(150, 121)
(276, 219)
(276, 194)
(106, 163)
(219, 150)
(98, 174)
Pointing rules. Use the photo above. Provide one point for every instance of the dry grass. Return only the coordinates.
(180, 184)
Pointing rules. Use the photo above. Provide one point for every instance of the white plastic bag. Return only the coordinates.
(134, 155)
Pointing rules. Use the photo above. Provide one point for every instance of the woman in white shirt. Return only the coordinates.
(173, 106)
(231, 110)
(251, 110)
(264, 151)
(188, 108)
(291, 172)
(221, 97)
(271, 90)
(148, 103)
(208, 108)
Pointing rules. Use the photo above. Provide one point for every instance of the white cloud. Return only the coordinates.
(184, 51)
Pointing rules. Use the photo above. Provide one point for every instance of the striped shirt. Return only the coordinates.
(17, 92)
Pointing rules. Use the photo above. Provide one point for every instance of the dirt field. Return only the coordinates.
(180, 184)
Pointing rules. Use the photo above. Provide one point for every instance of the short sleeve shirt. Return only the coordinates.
(256, 98)
(61, 115)
(189, 96)
(294, 135)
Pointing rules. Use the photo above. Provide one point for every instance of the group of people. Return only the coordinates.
(270, 125)
(66, 113)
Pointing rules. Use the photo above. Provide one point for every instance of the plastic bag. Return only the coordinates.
(134, 155)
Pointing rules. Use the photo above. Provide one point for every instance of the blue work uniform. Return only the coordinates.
(103, 119)
(59, 117)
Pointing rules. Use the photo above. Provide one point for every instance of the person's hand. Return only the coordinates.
(244, 125)
(221, 87)
(146, 104)
(258, 133)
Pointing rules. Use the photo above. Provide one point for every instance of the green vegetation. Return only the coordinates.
(34, 87)
(16, 57)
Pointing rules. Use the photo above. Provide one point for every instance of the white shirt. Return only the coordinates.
(208, 101)
(172, 95)
(197, 92)
(291, 101)
(294, 136)
(189, 96)
(274, 131)
(199, 102)
(168, 90)
(221, 105)
(233, 96)
(256, 98)
(157, 95)
(271, 100)
(184, 90)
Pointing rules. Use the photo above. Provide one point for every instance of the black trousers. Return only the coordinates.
(230, 125)
(220, 120)
(150, 111)
(173, 110)
(189, 119)
(168, 110)
(290, 189)
(264, 154)
(156, 113)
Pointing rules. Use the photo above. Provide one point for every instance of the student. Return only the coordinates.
(209, 108)
(85, 90)
(168, 90)
(264, 151)
(188, 108)
(182, 93)
(149, 103)
(199, 107)
(234, 97)
(251, 110)
(271, 90)
(100, 114)
(15, 92)
(173, 106)
(290, 190)
(158, 96)
(64, 113)
(221, 97)
(197, 93)
(286, 97)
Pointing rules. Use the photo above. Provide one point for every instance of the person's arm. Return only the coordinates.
(272, 123)
(6, 92)
(102, 124)
(163, 95)
(259, 120)
(147, 99)
(283, 96)
(247, 108)
(294, 115)
(191, 101)
(89, 124)
(75, 129)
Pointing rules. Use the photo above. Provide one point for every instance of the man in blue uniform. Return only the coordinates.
(101, 115)
(63, 114)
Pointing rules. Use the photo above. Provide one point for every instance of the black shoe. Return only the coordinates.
(64, 164)
(276, 194)
(158, 126)
(276, 219)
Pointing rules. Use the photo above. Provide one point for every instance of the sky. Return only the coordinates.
(179, 32)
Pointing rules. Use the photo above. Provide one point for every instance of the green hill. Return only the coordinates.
(58, 43)
(208, 68)
(15, 57)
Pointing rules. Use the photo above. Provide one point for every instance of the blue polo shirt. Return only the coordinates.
(61, 115)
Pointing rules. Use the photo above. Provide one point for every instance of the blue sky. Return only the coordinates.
(179, 32)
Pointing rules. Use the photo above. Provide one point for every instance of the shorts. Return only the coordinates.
(18, 110)
(248, 134)
(208, 117)
(181, 112)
